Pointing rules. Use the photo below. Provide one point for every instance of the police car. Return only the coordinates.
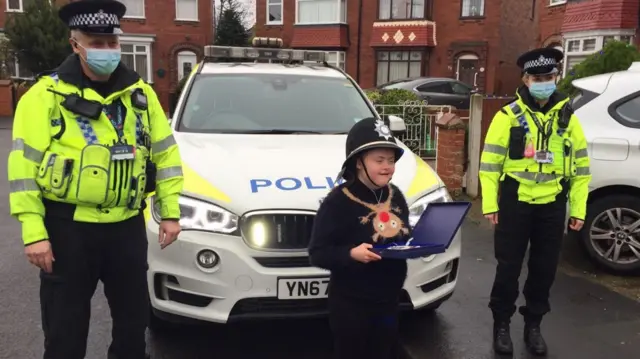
(262, 132)
(608, 106)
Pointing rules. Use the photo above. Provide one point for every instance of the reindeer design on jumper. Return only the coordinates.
(386, 223)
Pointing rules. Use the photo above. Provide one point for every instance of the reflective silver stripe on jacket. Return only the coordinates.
(582, 171)
(496, 149)
(582, 153)
(163, 144)
(537, 176)
(490, 167)
(23, 185)
(30, 153)
(169, 172)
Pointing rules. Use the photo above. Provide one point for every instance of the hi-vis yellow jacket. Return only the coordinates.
(539, 183)
(60, 156)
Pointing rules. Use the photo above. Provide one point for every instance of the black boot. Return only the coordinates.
(502, 338)
(534, 340)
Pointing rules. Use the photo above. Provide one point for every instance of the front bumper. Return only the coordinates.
(244, 284)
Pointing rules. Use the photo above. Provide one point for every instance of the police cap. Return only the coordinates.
(543, 61)
(98, 17)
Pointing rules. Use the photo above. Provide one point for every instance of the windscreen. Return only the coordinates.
(257, 103)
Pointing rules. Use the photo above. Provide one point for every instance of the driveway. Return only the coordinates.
(588, 320)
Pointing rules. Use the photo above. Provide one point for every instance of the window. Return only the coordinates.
(135, 8)
(436, 87)
(187, 10)
(137, 56)
(580, 45)
(395, 65)
(11, 66)
(472, 8)
(401, 9)
(336, 58)
(236, 103)
(460, 89)
(14, 5)
(321, 11)
(557, 2)
(274, 12)
(627, 111)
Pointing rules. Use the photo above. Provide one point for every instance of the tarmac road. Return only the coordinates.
(587, 322)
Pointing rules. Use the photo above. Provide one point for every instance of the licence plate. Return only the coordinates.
(303, 288)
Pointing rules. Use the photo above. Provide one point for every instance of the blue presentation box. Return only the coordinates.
(433, 233)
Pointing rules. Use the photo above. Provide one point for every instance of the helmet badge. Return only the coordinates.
(383, 130)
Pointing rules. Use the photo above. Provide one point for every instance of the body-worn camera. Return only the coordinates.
(80, 105)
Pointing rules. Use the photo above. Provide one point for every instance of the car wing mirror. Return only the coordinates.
(397, 124)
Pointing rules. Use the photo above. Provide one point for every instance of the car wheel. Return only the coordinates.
(158, 325)
(611, 234)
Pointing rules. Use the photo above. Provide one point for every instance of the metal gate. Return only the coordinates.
(421, 135)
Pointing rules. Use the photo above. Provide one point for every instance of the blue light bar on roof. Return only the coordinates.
(271, 51)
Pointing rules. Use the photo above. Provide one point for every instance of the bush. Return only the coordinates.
(615, 56)
(394, 101)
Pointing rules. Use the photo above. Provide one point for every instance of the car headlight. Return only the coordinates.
(418, 207)
(200, 215)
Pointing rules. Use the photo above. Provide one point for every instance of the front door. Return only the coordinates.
(467, 69)
(186, 61)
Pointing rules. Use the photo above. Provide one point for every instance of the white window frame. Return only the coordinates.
(557, 2)
(341, 59)
(144, 13)
(21, 9)
(197, 18)
(339, 19)
(597, 35)
(16, 64)
(462, 6)
(145, 41)
(275, 3)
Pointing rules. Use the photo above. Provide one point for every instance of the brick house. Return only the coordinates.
(162, 40)
(581, 28)
(376, 41)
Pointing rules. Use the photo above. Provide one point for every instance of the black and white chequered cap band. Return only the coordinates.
(92, 20)
(540, 62)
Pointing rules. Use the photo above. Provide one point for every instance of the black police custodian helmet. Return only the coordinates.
(543, 61)
(97, 17)
(365, 135)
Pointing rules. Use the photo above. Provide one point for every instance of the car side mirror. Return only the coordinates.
(396, 124)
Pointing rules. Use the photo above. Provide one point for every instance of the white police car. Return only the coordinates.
(262, 142)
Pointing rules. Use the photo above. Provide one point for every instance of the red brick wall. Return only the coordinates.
(455, 37)
(550, 20)
(451, 157)
(601, 14)
(170, 38)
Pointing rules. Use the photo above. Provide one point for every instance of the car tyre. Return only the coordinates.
(595, 211)
(158, 325)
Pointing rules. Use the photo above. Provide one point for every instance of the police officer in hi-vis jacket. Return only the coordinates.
(90, 142)
(535, 157)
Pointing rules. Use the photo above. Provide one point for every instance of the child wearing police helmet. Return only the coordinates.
(366, 209)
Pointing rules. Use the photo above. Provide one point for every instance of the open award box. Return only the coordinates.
(432, 234)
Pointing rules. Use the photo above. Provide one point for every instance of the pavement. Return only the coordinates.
(588, 321)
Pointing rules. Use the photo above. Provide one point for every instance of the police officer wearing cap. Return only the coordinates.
(90, 143)
(535, 156)
(364, 289)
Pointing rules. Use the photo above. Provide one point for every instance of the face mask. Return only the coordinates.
(542, 90)
(102, 61)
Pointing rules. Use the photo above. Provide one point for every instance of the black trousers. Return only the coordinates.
(84, 253)
(363, 330)
(521, 224)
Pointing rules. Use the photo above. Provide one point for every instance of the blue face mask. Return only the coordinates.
(102, 61)
(542, 90)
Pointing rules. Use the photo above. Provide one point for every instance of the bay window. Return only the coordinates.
(579, 46)
(396, 65)
(136, 55)
(401, 9)
(321, 11)
(336, 58)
